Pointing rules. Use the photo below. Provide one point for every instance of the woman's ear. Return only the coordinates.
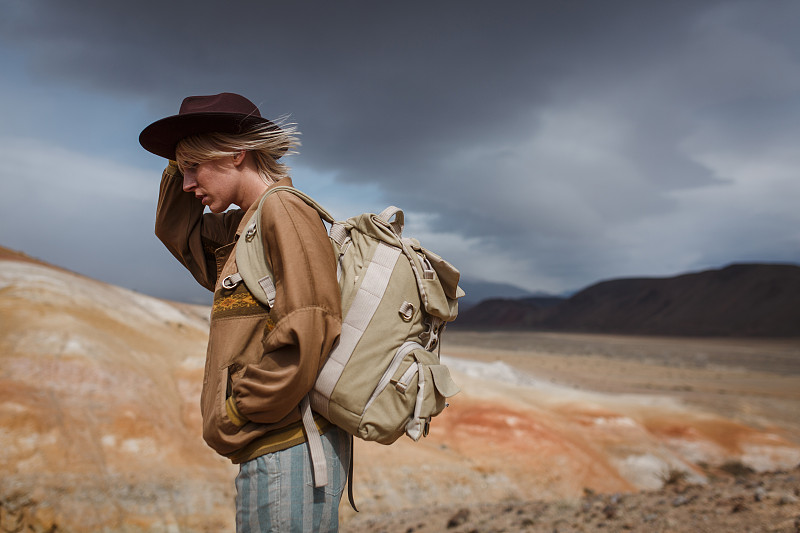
(238, 157)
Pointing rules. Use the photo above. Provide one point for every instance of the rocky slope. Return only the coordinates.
(99, 421)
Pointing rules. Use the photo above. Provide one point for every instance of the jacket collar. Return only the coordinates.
(285, 182)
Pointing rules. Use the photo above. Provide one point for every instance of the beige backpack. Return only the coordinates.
(384, 377)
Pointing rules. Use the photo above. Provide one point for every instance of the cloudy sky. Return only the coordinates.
(548, 144)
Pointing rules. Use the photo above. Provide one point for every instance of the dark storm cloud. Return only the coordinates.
(548, 131)
(375, 86)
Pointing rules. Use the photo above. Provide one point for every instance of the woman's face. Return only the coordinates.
(213, 182)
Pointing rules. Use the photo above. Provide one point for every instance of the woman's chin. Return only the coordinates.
(216, 208)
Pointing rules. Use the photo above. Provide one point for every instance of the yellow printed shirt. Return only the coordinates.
(238, 302)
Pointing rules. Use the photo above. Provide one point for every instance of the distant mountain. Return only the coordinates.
(478, 291)
(738, 300)
(503, 313)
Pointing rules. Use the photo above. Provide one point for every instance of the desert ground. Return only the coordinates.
(755, 381)
(100, 427)
(727, 409)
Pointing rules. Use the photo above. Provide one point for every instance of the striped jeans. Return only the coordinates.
(275, 492)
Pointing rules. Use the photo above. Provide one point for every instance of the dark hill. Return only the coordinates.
(504, 313)
(738, 300)
(477, 291)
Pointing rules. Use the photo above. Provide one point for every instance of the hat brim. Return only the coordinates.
(162, 136)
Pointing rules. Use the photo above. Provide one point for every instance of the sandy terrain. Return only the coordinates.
(755, 381)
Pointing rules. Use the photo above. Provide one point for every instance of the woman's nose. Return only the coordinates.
(189, 183)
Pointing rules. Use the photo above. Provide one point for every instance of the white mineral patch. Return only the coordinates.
(501, 372)
(142, 446)
(42, 284)
(764, 458)
(496, 371)
(614, 421)
(194, 362)
(13, 407)
(75, 345)
(645, 470)
(159, 309)
(696, 450)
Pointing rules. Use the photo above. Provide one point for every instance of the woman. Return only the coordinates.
(260, 362)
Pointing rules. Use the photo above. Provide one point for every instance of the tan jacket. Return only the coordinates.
(260, 363)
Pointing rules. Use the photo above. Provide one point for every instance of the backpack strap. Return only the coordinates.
(254, 270)
(318, 462)
(365, 303)
(399, 219)
(323, 213)
(350, 475)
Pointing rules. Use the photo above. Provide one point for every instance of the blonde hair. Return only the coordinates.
(266, 142)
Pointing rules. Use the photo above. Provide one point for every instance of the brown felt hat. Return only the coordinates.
(224, 112)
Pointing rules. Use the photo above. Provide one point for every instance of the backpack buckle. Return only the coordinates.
(407, 311)
(231, 281)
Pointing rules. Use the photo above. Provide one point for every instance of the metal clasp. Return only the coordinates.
(231, 281)
(251, 232)
(406, 311)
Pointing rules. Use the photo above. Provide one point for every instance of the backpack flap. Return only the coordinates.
(434, 386)
(438, 281)
(374, 227)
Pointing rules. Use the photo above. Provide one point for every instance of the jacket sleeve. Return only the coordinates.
(189, 234)
(307, 314)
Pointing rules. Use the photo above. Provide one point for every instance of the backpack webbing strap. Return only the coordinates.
(318, 463)
(323, 213)
(386, 378)
(415, 426)
(269, 289)
(399, 219)
(365, 303)
(250, 258)
(338, 233)
(350, 477)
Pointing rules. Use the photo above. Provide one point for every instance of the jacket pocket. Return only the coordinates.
(226, 425)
